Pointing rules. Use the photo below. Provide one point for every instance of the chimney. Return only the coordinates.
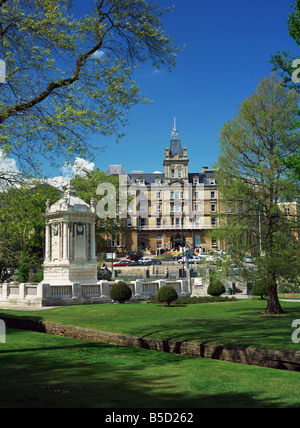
(204, 168)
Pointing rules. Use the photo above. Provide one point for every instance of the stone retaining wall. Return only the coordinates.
(250, 356)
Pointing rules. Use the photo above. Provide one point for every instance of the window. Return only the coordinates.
(158, 209)
(213, 208)
(196, 195)
(212, 195)
(214, 243)
(179, 173)
(158, 195)
(213, 221)
(157, 181)
(158, 222)
(197, 207)
(172, 173)
(287, 211)
(197, 240)
(129, 223)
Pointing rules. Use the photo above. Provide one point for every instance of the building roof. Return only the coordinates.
(175, 148)
(115, 169)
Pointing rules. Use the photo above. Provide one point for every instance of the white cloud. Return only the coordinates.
(68, 170)
(8, 165)
(100, 54)
(79, 167)
(156, 71)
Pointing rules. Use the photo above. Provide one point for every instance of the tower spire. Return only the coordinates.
(174, 132)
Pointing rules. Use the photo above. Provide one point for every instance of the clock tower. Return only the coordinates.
(176, 160)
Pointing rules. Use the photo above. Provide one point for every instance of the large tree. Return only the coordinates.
(288, 68)
(69, 76)
(256, 187)
(22, 226)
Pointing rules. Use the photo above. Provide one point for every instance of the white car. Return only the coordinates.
(145, 259)
(188, 260)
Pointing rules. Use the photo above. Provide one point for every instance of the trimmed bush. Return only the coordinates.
(166, 294)
(120, 292)
(260, 289)
(216, 288)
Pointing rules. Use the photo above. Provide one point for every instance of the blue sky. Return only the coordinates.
(228, 48)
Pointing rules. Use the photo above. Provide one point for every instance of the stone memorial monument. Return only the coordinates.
(70, 253)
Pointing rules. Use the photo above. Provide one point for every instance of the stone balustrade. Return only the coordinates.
(57, 295)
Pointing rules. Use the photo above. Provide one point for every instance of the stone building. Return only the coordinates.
(170, 209)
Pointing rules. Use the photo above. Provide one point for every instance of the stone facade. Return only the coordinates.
(171, 209)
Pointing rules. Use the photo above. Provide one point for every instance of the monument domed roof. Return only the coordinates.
(70, 203)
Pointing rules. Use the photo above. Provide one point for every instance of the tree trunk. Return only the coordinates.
(273, 306)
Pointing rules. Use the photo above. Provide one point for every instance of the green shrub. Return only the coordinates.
(23, 274)
(38, 276)
(260, 289)
(215, 288)
(120, 292)
(103, 274)
(166, 294)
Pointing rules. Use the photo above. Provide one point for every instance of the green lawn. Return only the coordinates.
(43, 371)
(237, 323)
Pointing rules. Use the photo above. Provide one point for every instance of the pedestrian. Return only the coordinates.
(167, 272)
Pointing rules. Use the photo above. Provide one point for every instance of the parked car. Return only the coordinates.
(124, 262)
(133, 255)
(198, 258)
(177, 256)
(186, 259)
(138, 263)
(145, 259)
(249, 259)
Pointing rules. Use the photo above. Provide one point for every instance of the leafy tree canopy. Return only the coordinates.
(69, 76)
(256, 186)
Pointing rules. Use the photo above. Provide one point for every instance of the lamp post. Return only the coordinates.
(112, 247)
(183, 252)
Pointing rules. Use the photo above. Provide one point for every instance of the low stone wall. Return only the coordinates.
(250, 356)
(43, 294)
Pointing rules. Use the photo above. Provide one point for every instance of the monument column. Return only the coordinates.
(65, 241)
(93, 242)
(47, 243)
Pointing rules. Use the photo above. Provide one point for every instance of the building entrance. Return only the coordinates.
(177, 243)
